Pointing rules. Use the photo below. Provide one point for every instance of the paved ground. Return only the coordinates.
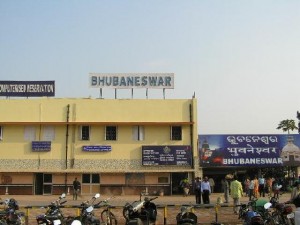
(168, 207)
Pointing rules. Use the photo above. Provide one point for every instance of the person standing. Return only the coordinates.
(205, 190)
(295, 191)
(251, 189)
(246, 186)
(197, 190)
(212, 184)
(236, 190)
(269, 185)
(255, 193)
(226, 189)
(76, 188)
(185, 185)
(276, 189)
(261, 186)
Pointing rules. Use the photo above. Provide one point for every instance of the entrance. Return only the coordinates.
(43, 184)
(175, 179)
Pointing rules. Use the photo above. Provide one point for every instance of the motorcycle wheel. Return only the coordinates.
(108, 218)
(21, 220)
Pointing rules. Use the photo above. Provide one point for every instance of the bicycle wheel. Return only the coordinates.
(108, 217)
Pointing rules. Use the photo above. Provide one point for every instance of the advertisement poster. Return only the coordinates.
(249, 150)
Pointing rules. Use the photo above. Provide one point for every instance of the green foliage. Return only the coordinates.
(287, 125)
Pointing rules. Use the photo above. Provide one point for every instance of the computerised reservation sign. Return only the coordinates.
(27, 88)
(268, 150)
(132, 80)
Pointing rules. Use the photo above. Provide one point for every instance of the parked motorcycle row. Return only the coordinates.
(142, 212)
(263, 212)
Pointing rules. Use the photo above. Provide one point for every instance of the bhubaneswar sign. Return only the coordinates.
(27, 88)
(249, 150)
(132, 80)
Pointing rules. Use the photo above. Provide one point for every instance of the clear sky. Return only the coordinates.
(241, 58)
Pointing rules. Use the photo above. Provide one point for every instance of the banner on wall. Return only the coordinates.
(249, 150)
(179, 155)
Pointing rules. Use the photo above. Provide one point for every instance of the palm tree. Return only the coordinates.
(287, 125)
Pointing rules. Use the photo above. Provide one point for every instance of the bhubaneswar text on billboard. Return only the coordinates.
(27, 88)
(249, 150)
(132, 80)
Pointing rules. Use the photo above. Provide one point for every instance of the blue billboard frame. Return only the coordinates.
(249, 150)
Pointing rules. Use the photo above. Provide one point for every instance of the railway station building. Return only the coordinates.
(112, 146)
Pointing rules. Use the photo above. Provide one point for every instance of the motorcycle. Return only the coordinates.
(251, 214)
(142, 212)
(10, 216)
(86, 214)
(186, 216)
(54, 215)
(284, 214)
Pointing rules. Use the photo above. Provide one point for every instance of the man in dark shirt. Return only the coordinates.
(76, 188)
(197, 190)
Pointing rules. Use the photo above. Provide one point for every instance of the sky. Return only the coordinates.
(240, 58)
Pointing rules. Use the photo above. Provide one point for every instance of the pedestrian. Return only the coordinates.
(295, 191)
(212, 184)
(276, 189)
(255, 191)
(205, 190)
(246, 186)
(269, 184)
(236, 190)
(185, 186)
(227, 188)
(197, 190)
(76, 188)
(261, 186)
(251, 189)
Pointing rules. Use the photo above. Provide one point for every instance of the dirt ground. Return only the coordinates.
(168, 207)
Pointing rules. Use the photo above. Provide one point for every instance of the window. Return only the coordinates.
(85, 133)
(111, 133)
(1, 133)
(48, 133)
(176, 133)
(163, 180)
(29, 133)
(90, 178)
(138, 133)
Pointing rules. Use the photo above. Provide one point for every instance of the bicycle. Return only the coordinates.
(107, 217)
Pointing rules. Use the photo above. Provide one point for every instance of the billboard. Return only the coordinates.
(27, 88)
(246, 150)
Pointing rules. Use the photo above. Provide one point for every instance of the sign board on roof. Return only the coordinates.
(132, 80)
(27, 88)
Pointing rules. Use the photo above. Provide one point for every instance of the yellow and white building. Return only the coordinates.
(47, 142)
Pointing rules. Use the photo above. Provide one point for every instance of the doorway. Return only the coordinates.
(176, 178)
(43, 184)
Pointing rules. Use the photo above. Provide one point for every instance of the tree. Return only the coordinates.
(287, 125)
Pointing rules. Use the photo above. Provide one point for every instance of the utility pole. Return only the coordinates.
(298, 117)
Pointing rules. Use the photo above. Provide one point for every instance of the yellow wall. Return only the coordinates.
(156, 115)
(86, 110)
